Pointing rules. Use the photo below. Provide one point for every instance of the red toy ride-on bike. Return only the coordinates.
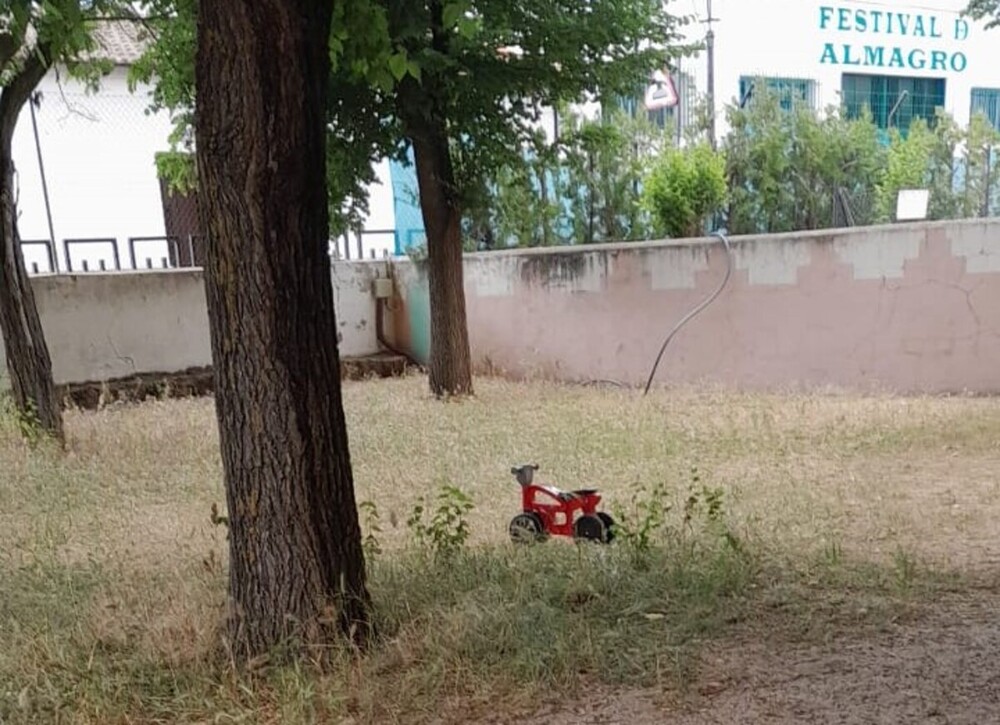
(549, 511)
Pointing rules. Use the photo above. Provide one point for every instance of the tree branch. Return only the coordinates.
(17, 92)
(10, 44)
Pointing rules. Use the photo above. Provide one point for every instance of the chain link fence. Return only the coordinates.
(88, 195)
(853, 207)
(89, 198)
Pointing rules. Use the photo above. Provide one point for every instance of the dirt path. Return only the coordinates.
(944, 667)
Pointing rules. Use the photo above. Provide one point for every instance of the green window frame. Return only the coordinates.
(987, 102)
(893, 101)
(788, 90)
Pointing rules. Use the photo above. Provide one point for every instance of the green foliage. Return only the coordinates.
(982, 176)
(442, 63)
(359, 114)
(585, 187)
(684, 188)
(982, 9)
(25, 421)
(179, 170)
(605, 161)
(944, 170)
(784, 166)
(908, 165)
(61, 32)
(645, 526)
(487, 100)
(954, 163)
(371, 527)
(169, 61)
(448, 530)
(636, 526)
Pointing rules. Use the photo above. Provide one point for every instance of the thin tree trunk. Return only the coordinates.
(296, 564)
(451, 361)
(27, 353)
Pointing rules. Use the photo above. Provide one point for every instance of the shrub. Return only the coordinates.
(684, 188)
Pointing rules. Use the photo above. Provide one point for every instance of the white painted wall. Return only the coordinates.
(106, 326)
(377, 240)
(98, 152)
(786, 38)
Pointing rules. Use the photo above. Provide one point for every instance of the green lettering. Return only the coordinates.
(874, 56)
(860, 21)
(896, 61)
(939, 60)
(959, 62)
(825, 15)
(844, 19)
(829, 56)
(918, 27)
(917, 59)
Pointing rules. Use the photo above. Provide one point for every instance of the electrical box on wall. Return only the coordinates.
(383, 288)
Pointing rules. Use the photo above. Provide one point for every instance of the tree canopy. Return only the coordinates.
(980, 9)
(489, 66)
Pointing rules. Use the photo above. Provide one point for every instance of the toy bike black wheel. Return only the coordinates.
(609, 526)
(590, 528)
(526, 528)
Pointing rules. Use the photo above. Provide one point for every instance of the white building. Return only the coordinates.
(901, 58)
(97, 151)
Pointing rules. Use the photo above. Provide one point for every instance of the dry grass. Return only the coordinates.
(113, 574)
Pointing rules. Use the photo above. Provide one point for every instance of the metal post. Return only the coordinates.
(36, 99)
(680, 104)
(710, 46)
(986, 196)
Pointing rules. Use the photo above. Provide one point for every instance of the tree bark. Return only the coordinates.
(451, 362)
(297, 571)
(27, 353)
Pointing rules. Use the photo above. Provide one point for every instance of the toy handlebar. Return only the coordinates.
(524, 473)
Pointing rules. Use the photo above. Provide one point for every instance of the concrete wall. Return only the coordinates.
(912, 308)
(106, 326)
(906, 307)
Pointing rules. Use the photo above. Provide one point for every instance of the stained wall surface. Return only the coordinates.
(107, 326)
(908, 308)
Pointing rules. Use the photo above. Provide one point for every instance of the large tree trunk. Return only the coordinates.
(28, 358)
(450, 363)
(296, 564)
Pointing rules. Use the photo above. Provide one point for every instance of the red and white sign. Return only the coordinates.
(661, 93)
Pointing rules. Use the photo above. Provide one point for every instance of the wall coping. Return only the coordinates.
(735, 241)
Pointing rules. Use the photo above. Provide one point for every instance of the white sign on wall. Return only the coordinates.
(911, 204)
